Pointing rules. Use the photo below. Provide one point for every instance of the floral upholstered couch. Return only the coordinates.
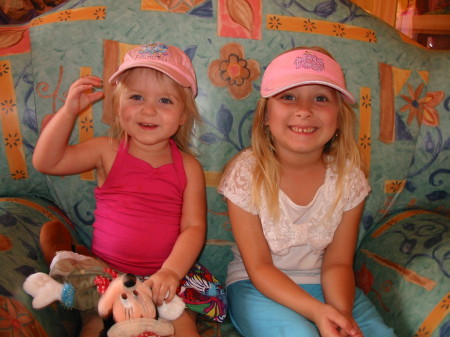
(403, 90)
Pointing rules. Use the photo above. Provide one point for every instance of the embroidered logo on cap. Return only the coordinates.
(309, 61)
(154, 51)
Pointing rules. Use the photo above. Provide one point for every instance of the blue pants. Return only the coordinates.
(254, 315)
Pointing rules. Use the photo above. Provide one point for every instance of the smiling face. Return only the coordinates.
(303, 119)
(151, 107)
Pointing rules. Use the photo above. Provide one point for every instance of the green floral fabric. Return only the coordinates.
(402, 92)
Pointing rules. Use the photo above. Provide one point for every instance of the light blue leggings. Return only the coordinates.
(254, 315)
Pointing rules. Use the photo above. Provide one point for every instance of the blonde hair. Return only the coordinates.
(342, 150)
(185, 132)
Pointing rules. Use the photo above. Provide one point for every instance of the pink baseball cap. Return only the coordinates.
(300, 67)
(168, 59)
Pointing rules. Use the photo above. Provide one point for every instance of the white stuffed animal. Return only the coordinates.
(130, 302)
(126, 298)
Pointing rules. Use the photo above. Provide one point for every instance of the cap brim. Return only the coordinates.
(289, 83)
(172, 73)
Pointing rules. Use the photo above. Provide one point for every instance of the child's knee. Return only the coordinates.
(186, 325)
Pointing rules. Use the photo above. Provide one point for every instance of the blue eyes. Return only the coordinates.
(136, 97)
(163, 100)
(288, 97)
(319, 98)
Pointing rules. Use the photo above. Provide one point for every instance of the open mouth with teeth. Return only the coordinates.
(303, 130)
(148, 125)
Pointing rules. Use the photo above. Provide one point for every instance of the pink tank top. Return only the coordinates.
(138, 212)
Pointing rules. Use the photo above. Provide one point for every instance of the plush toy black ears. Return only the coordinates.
(129, 280)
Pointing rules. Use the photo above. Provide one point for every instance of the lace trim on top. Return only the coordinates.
(319, 230)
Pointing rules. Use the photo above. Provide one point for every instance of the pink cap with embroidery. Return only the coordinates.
(168, 59)
(301, 67)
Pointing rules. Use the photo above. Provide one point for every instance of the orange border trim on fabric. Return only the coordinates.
(86, 126)
(434, 318)
(151, 5)
(12, 135)
(408, 274)
(307, 25)
(365, 123)
(394, 185)
(387, 106)
(113, 54)
(391, 222)
(220, 243)
(68, 15)
(212, 178)
(41, 209)
(170, 6)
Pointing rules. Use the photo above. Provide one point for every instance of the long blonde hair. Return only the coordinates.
(185, 132)
(342, 149)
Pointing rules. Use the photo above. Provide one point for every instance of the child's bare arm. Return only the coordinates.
(273, 283)
(338, 280)
(52, 154)
(192, 234)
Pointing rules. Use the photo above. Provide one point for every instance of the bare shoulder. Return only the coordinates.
(103, 146)
(192, 166)
(190, 162)
(108, 143)
(106, 140)
(101, 143)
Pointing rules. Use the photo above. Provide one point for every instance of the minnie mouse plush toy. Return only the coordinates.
(125, 303)
(130, 304)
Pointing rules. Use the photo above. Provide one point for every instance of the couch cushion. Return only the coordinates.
(20, 222)
(404, 267)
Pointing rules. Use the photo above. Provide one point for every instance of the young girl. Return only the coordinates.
(295, 200)
(150, 216)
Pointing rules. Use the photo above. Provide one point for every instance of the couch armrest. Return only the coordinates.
(20, 256)
(403, 266)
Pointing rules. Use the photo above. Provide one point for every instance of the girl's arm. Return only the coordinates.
(52, 154)
(192, 235)
(272, 282)
(338, 280)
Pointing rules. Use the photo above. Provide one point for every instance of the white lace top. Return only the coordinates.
(305, 230)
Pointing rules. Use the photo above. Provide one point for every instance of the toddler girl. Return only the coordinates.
(150, 217)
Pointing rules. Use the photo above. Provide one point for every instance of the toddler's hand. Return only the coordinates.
(80, 94)
(164, 284)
